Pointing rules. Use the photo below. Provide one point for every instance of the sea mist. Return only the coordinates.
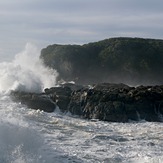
(26, 72)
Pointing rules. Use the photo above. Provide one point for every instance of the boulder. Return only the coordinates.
(34, 101)
(60, 95)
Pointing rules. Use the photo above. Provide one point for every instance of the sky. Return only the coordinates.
(46, 22)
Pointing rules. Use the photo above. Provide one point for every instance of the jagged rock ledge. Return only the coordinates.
(108, 102)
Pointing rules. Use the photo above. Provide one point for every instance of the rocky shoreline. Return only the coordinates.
(105, 101)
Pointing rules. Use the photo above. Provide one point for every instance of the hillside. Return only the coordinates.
(132, 61)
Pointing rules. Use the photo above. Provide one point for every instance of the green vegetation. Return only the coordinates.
(119, 60)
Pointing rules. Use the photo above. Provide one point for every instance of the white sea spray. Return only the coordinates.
(26, 72)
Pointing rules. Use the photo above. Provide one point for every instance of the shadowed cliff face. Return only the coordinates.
(132, 61)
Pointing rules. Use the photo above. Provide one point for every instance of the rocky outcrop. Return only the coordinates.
(119, 103)
(131, 61)
(108, 102)
(34, 100)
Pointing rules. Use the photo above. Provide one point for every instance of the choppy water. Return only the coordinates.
(29, 136)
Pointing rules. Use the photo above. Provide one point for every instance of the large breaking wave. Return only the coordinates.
(26, 72)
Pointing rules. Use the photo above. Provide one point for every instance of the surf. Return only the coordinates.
(26, 72)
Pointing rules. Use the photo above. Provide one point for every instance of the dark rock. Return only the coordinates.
(108, 102)
(118, 102)
(118, 60)
(61, 95)
(34, 101)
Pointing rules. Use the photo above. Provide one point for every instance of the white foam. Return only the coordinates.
(31, 136)
(26, 72)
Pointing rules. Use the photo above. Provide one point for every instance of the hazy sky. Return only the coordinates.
(45, 22)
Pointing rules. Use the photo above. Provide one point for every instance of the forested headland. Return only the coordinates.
(133, 61)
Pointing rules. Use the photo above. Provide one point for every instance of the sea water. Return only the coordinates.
(33, 136)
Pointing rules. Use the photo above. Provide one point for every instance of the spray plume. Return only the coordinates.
(26, 72)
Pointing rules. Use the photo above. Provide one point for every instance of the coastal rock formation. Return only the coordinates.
(119, 103)
(34, 100)
(108, 102)
(132, 61)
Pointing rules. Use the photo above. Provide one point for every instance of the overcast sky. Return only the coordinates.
(45, 22)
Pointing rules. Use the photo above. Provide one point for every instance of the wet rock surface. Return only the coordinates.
(108, 102)
(34, 101)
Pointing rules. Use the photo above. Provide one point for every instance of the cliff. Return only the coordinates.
(131, 61)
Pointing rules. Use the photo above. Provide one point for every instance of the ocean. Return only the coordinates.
(33, 136)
